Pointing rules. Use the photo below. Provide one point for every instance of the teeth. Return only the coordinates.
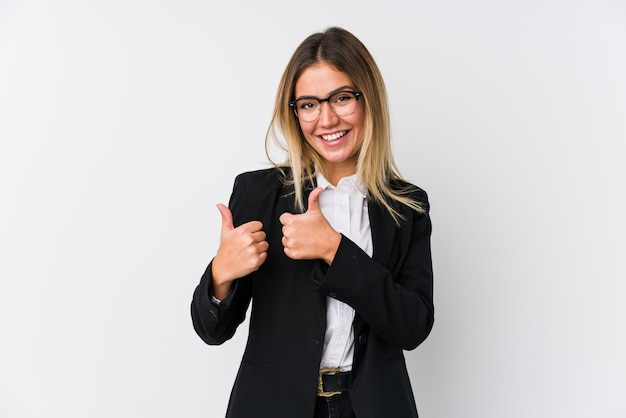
(334, 136)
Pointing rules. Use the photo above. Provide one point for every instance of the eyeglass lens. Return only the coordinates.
(342, 104)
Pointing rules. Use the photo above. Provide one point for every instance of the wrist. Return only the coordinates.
(221, 292)
(334, 242)
(220, 278)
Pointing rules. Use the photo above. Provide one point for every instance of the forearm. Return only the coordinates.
(397, 305)
(216, 323)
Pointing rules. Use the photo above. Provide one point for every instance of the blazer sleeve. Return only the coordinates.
(395, 300)
(214, 322)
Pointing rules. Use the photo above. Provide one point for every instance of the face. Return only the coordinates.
(337, 140)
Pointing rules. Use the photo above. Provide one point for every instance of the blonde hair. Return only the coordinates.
(375, 166)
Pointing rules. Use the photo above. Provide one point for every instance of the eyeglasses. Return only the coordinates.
(343, 103)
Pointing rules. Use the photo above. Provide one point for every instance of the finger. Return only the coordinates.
(227, 217)
(284, 218)
(252, 226)
(258, 236)
(262, 247)
(314, 200)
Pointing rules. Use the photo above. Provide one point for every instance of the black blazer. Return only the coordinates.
(392, 294)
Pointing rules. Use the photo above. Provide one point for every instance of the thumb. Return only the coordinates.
(314, 200)
(227, 217)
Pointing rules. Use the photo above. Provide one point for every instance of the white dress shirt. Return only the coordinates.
(345, 208)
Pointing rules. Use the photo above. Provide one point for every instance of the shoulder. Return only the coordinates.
(255, 194)
(261, 178)
(410, 190)
(262, 185)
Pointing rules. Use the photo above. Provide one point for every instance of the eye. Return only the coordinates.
(342, 98)
(307, 104)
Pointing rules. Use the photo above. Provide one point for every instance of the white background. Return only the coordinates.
(123, 123)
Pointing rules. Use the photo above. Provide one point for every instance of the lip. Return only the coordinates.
(333, 141)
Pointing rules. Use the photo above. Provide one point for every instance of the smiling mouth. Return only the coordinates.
(333, 137)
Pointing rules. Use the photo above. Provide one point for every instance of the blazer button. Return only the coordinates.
(332, 295)
(362, 339)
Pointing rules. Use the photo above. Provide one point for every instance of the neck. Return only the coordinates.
(334, 173)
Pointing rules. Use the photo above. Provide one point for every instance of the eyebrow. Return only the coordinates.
(337, 90)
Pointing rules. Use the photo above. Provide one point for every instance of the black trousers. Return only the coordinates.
(338, 406)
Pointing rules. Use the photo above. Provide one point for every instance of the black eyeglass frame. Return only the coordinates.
(357, 96)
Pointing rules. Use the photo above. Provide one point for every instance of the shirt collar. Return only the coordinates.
(354, 180)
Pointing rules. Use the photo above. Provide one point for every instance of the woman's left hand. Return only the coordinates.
(309, 236)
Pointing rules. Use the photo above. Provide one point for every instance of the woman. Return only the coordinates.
(332, 247)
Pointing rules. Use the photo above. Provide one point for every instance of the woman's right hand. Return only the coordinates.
(242, 250)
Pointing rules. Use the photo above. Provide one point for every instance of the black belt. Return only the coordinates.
(332, 382)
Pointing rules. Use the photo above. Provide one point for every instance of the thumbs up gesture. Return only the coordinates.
(308, 235)
(242, 250)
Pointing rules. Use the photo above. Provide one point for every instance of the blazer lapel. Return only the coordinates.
(383, 232)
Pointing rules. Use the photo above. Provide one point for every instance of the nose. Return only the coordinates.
(327, 116)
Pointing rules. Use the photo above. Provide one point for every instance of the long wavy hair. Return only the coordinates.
(375, 166)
